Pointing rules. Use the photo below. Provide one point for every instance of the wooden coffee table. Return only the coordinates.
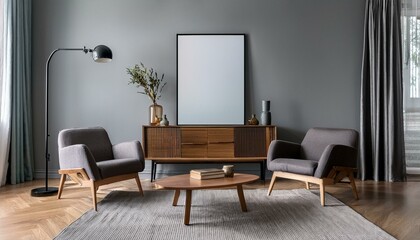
(184, 182)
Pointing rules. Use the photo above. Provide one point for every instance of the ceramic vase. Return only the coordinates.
(253, 120)
(266, 114)
(228, 170)
(164, 121)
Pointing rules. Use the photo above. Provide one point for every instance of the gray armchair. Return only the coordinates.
(87, 156)
(325, 156)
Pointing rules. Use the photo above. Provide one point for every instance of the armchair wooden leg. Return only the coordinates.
(273, 180)
(139, 185)
(322, 193)
(60, 188)
(307, 185)
(93, 189)
(353, 185)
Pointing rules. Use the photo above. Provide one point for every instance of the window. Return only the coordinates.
(410, 28)
(411, 49)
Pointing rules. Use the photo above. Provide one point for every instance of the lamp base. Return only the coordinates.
(44, 192)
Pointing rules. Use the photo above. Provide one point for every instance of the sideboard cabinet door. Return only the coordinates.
(250, 142)
(162, 142)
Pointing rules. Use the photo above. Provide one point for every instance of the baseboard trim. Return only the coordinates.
(40, 174)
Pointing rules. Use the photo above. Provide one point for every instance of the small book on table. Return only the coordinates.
(209, 173)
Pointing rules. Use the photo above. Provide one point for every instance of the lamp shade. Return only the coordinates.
(102, 54)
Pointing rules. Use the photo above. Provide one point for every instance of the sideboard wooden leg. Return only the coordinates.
(152, 171)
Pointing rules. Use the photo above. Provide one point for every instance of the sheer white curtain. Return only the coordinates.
(5, 98)
(410, 28)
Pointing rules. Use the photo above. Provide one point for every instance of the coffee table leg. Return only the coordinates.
(176, 196)
(187, 207)
(241, 198)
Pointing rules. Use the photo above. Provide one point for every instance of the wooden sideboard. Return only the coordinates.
(207, 144)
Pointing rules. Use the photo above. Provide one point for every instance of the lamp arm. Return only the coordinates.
(47, 67)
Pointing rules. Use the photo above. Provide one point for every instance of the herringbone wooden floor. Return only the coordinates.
(393, 206)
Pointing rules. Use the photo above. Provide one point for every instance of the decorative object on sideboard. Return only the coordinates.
(155, 114)
(101, 54)
(164, 121)
(266, 114)
(253, 120)
(229, 170)
(152, 85)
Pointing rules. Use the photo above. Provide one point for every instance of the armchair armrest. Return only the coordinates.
(336, 155)
(79, 156)
(131, 149)
(282, 149)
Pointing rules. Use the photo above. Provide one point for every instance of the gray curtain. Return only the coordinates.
(382, 133)
(17, 39)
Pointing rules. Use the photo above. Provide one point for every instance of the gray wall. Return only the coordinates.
(303, 55)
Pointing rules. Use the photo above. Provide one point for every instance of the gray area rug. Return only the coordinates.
(216, 214)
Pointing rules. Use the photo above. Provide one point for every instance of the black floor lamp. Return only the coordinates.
(100, 53)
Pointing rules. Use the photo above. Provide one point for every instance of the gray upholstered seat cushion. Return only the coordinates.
(305, 167)
(115, 167)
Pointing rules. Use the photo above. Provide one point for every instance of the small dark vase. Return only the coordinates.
(266, 114)
(164, 121)
(253, 120)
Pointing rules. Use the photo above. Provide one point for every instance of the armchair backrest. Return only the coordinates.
(317, 139)
(96, 139)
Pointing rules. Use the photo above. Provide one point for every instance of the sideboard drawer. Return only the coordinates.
(193, 135)
(220, 135)
(221, 150)
(194, 150)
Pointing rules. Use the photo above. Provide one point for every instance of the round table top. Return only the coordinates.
(185, 182)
